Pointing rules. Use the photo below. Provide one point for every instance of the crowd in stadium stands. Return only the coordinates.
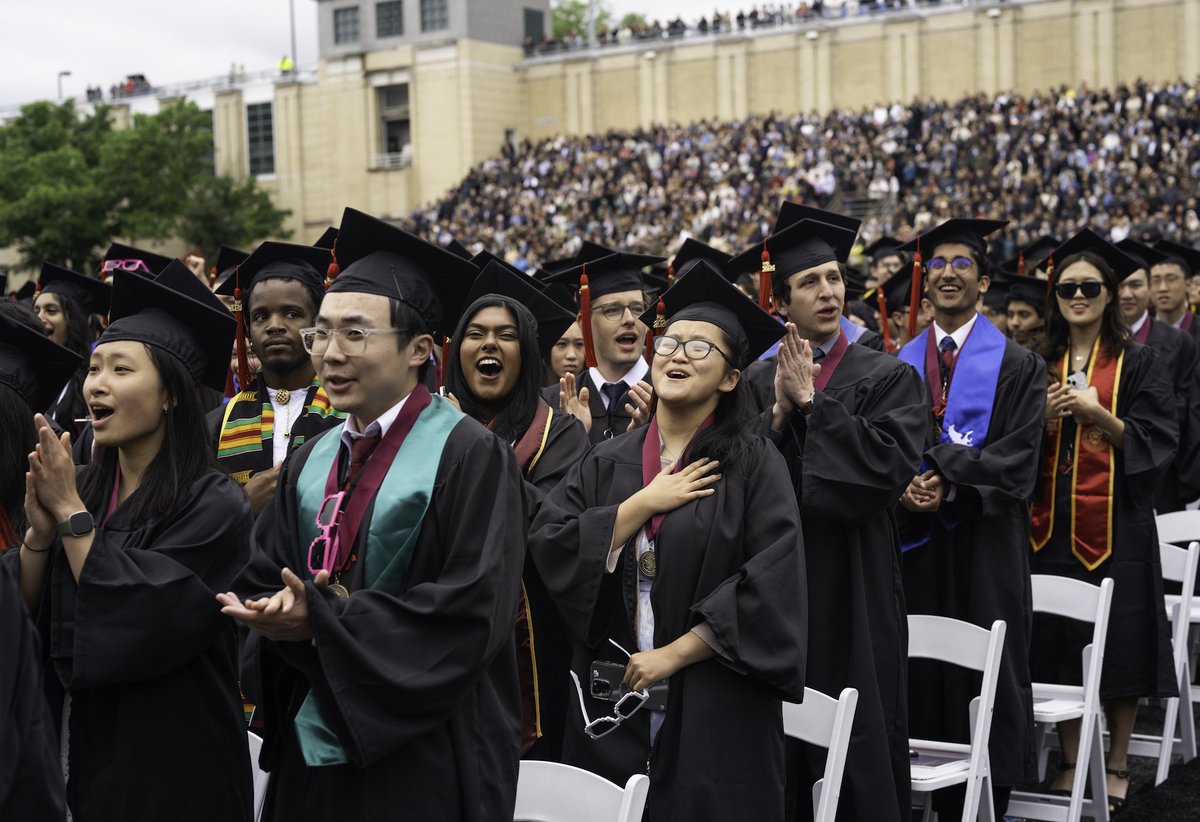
(757, 17)
(1050, 163)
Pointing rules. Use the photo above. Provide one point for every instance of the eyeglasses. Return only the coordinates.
(961, 265)
(1166, 279)
(615, 311)
(322, 553)
(693, 349)
(1091, 289)
(125, 265)
(353, 341)
(626, 706)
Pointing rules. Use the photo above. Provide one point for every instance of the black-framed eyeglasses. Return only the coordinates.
(1090, 288)
(352, 341)
(961, 265)
(614, 311)
(666, 346)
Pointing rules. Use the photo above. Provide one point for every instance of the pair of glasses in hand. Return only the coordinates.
(322, 553)
(626, 706)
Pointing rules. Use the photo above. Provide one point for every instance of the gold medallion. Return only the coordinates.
(648, 564)
(1093, 439)
(283, 396)
(339, 590)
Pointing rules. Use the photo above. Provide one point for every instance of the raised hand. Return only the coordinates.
(574, 404)
(642, 396)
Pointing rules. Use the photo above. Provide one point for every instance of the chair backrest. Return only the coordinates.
(1178, 526)
(1082, 601)
(261, 777)
(827, 722)
(1180, 565)
(550, 792)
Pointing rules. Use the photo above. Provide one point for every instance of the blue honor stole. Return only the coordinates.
(391, 536)
(972, 392)
(852, 330)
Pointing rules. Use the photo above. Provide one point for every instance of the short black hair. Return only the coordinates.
(409, 321)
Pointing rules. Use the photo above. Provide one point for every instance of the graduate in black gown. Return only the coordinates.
(493, 373)
(1180, 356)
(66, 302)
(851, 435)
(1102, 453)
(1168, 284)
(611, 395)
(386, 570)
(120, 568)
(698, 574)
(965, 518)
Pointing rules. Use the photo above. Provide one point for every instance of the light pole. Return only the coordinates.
(292, 20)
(61, 75)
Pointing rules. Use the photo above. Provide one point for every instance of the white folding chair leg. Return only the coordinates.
(1187, 715)
(1097, 777)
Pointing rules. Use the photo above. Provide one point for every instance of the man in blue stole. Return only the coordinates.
(389, 681)
(965, 519)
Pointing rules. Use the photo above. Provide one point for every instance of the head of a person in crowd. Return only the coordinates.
(495, 362)
(1085, 298)
(374, 332)
(1169, 278)
(1134, 291)
(709, 333)
(994, 304)
(886, 260)
(1025, 309)
(956, 268)
(65, 302)
(282, 287)
(566, 357)
(165, 342)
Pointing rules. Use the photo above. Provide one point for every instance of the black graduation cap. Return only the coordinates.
(290, 261)
(168, 313)
(856, 285)
(32, 364)
(615, 272)
(702, 293)
(91, 294)
(124, 253)
(1144, 254)
(1185, 256)
(1030, 257)
(996, 297)
(883, 247)
(327, 238)
(791, 213)
(454, 246)
(1122, 264)
(695, 250)
(25, 292)
(228, 259)
(375, 257)
(1026, 289)
(552, 319)
(896, 290)
(971, 233)
(798, 247)
(484, 257)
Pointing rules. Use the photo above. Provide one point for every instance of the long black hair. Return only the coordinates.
(520, 405)
(1114, 336)
(186, 451)
(18, 437)
(80, 336)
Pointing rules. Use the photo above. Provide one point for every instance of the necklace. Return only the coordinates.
(284, 397)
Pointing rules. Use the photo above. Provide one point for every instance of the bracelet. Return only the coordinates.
(25, 545)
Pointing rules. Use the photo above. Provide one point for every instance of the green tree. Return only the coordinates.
(632, 20)
(568, 16)
(225, 211)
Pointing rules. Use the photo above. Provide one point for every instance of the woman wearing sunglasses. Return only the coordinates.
(1110, 433)
(120, 567)
(680, 543)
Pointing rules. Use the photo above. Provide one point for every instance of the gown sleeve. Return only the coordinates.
(991, 479)
(566, 444)
(1151, 430)
(144, 602)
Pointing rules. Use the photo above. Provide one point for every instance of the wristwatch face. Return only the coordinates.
(77, 524)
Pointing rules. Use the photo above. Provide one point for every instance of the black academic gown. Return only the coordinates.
(850, 460)
(156, 724)
(421, 687)
(870, 339)
(975, 568)
(31, 783)
(606, 422)
(735, 560)
(1137, 656)
(1178, 352)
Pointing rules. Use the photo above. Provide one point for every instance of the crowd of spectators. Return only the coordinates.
(1123, 161)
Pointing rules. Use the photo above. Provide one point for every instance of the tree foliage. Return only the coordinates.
(568, 16)
(70, 183)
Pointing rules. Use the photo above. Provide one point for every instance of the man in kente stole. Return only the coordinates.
(965, 518)
(386, 569)
(850, 422)
(275, 292)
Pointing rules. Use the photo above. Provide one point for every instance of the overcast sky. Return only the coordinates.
(101, 41)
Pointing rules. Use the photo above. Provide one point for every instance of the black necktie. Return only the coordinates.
(818, 355)
(613, 391)
(947, 347)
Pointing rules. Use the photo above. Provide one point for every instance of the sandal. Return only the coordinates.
(1063, 767)
(1115, 803)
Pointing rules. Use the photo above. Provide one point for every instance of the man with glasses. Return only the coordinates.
(612, 391)
(387, 658)
(965, 517)
(850, 422)
(1169, 285)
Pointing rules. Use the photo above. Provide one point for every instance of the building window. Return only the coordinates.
(395, 127)
(260, 138)
(345, 25)
(389, 18)
(435, 15)
(210, 156)
(535, 26)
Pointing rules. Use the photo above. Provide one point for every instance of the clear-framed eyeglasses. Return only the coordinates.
(614, 311)
(666, 346)
(626, 706)
(352, 341)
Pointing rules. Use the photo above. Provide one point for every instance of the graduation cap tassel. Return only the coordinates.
(243, 361)
(230, 388)
(441, 374)
(883, 320)
(585, 319)
(914, 295)
(670, 276)
(764, 279)
(1021, 263)
(660, 327)
(212, 277)
(334, 269)
(1049, 277)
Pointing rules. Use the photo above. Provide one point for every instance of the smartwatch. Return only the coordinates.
(77, 525)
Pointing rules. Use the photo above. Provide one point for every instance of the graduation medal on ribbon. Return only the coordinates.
(648, 562)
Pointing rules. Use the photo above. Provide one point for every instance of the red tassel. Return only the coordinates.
(764, 279)
(1049, 277)
(883, 320)
(243, 361)
(333, 270)
(1021, 264)
(212, 277)
(670, 276)
(37, 289)
(660, 327)
(914, 296)
(441, 374)
(229, 386)
(585, 319)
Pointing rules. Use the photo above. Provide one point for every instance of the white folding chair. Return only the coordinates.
(1183, 527)
(261, 777)
(941, 764)
(1178, 565)
(826, 722)
(550, 792)
(1053, 703)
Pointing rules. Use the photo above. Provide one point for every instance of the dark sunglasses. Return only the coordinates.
(1091, 290)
